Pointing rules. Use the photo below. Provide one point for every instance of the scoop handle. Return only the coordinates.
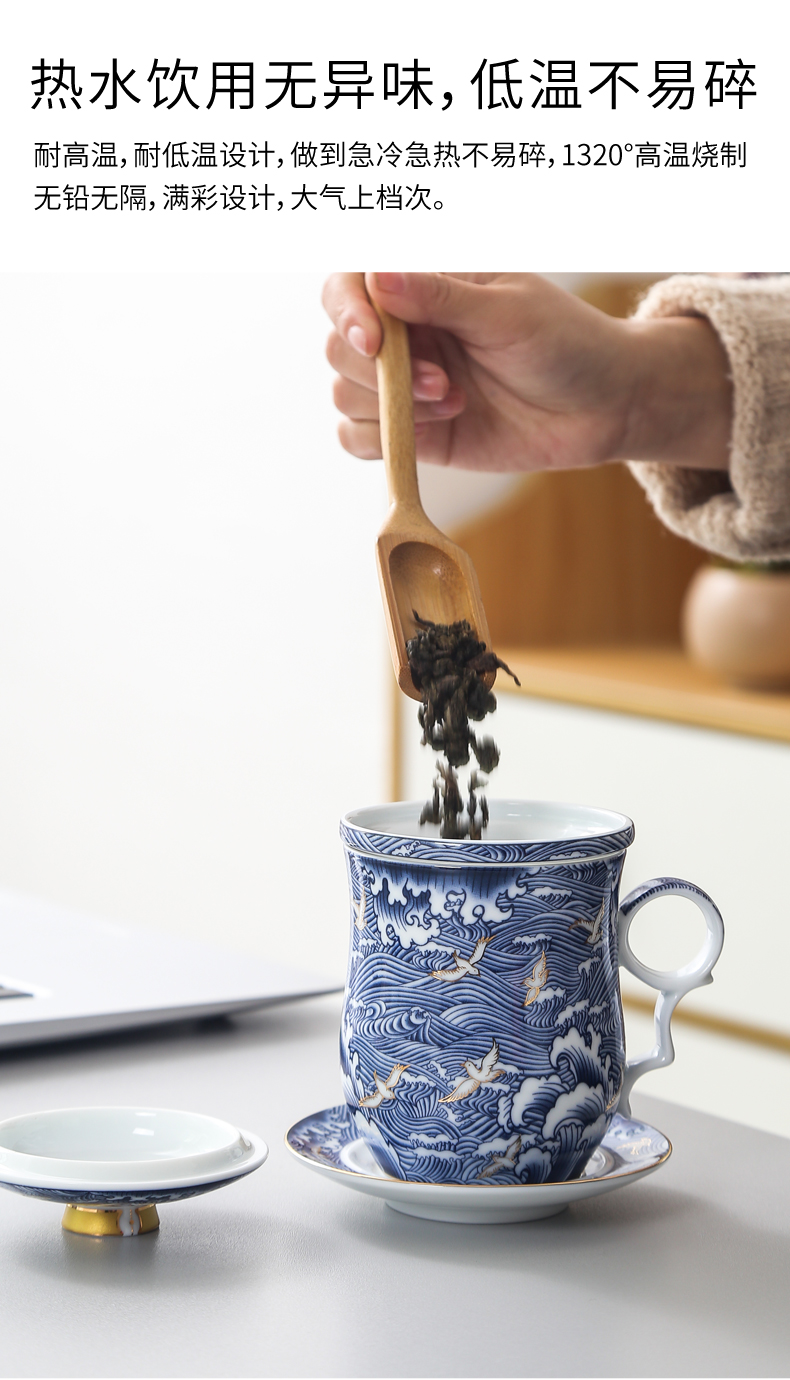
(396, 410)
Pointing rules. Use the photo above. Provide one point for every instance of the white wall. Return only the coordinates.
(184, 550)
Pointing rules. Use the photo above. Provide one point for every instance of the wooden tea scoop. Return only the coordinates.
(420, 570)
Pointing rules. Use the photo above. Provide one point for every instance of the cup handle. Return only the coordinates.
(670, 986)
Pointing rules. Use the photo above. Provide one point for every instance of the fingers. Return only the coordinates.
(452, 302)
(349, 363)
(361, 404)
(347, 304)
(430, 382)
(354, 342)
(351, 350)
(363, 439)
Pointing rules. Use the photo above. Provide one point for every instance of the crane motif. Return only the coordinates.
(594, 926)
(499, 1162)
(464, 967)
(385, 1092)
(487, 1071)
(537, 979)
(360, 919)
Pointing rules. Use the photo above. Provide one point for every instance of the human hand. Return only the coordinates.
(513, 373)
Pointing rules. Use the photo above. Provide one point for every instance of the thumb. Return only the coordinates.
(476, 312)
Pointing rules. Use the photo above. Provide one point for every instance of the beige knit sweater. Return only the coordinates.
(744, 515)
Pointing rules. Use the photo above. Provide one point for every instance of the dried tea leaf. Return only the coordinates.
(448, 664)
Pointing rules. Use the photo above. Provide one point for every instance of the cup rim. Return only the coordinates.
(599, 834)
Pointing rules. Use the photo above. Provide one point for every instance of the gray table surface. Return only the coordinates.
(285, 1274)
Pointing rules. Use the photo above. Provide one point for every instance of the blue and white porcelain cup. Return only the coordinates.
(482, 1034)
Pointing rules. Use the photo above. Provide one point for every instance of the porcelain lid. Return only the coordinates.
(114, 1146)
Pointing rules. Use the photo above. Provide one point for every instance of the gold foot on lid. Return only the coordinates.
(92, 1221)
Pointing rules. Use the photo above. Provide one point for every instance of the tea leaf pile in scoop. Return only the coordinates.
(448, 664)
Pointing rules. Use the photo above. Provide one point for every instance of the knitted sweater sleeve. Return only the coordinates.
(744, 516)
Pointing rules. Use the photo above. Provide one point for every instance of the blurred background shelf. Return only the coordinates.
(657, 682)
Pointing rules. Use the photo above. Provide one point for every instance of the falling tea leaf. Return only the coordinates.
(448, 665)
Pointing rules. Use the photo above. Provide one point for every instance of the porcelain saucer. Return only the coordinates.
(104, 1159)
(330, 1143)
